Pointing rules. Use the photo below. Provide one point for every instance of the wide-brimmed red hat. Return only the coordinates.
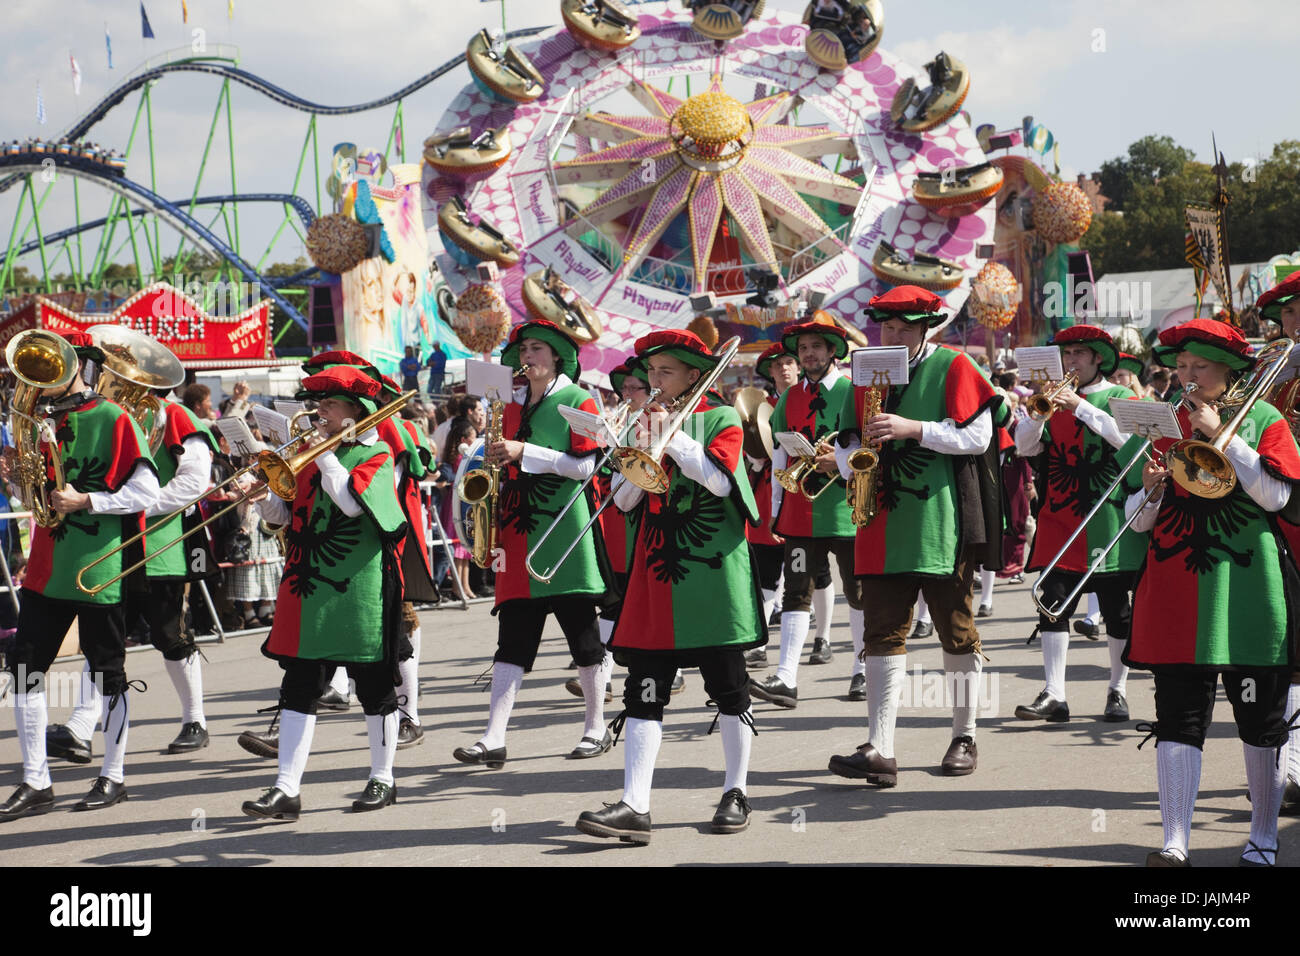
(1216, 341)
(828, 330)
(324, 360)
(1270, 303)
(764, 364)
(680, 344)
(632, 367)
(1096, 338)
(342, 381)
(910, 303)
(1130, 363)
(546, 331)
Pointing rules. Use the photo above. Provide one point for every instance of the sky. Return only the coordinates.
(1098, 73)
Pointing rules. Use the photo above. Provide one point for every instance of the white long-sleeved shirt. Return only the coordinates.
(1029, 433)
(1266, 491)
(137, 493)
(333, 479)
(539, 460)
(193, 477)
(693, 462)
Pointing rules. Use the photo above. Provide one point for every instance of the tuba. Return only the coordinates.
(134, 365)
(479, 489)
(40, 360)
(864, 462)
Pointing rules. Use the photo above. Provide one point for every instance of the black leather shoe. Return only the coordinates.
(986, 610)
(733, 812)
(1091, 631)
(495, 759)
(1165, 858)
(260, 745)
(756, 658)
(27, 802)
(616, 820)
(103, 793)
(591, 747)
(409, 733)
(1045, 707)
(922, 629)
(679, 685)
(62, 742)
(962, 757)
(1255, 855)
(773, 689)
(866, 764)
(192, 737)
(821, 651)
(858, 687)
(376, 796)
(574, 687)
(1116, 707)
(333, 700)
(1290, 799)
(274, 805)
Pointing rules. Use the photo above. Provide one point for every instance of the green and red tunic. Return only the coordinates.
(175, 562)
(1212, 592)
(813, 410)
(100, 446)
(614, 525)
(917, 529)
(411, 458)
(528, 504)
(692, 585)
(338, 599)
(1080, 466)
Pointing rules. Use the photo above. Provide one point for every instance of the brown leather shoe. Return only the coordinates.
(962, 757)
(866, 764)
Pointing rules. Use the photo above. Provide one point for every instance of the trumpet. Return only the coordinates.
(1041, 406)
(40, 360)
(864, 462)
(279, 474)
(795, 478)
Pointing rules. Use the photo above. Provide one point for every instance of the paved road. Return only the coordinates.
(1068, 794)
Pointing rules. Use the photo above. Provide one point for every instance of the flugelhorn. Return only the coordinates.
(40, 360)
(1041, 405)
(795, 478)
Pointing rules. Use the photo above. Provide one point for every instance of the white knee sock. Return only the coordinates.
(884, 690)
(642, 739)
(382, 733)
(986, 588)
(1293, 744)
(769, 602)
(31, 717)
(922, 613)
(117, 726)
(593, 680)
(857, 628)
(187, 678)
(506, 681)
(1118, 669)
(85, 715)
(1178, 770)
(1055, 646)
(823, 605)
(409, 688)
(606, 630)
(736, 740)
(1094, 610)
(794, 633)
(962, 673)
(1266, 776)
(296, 731)
(339, 682)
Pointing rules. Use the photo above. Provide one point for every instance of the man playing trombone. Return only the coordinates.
(1082, 462)
(110, 479)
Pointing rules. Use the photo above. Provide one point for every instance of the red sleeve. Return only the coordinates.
(363, 474)
(581, 445)
(725, 447)
(1277, 449)
(128, 451)
(968, 392)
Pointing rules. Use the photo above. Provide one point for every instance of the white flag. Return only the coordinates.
(40, 105)
(76, 74)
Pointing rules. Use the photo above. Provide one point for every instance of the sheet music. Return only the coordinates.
(273, 426)
(288, 409)
(589, 426)
(880, 365)
(489, 380)
(1039, 364)
(796, 445)
(1153, 420)
(237, 434)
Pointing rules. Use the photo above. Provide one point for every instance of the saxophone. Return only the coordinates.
(479, 489)
(864, 462)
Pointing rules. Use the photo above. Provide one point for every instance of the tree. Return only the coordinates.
(1149, 159)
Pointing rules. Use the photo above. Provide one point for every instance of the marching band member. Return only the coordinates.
(1083, 455)
(692, 598)
(938, 521)
(110, 479)
(542, 464)
(1213, 599)
(337, 602)
(813, 530)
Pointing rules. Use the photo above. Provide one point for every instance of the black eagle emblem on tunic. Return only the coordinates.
(900, 463)
(84, 474)
(1201, 526)
(522, 498)
(315, 542)
(680, 529)
(1079, 480)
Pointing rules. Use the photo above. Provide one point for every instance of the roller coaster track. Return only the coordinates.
(171, 213)
(138, 80)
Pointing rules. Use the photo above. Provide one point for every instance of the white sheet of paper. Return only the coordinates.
(1154, 420)
(589, 426)
(795, 444)
(880, 365)
(240, 438)
(288, 409)
(1039, 363)
(273, 426)
(489, 380)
